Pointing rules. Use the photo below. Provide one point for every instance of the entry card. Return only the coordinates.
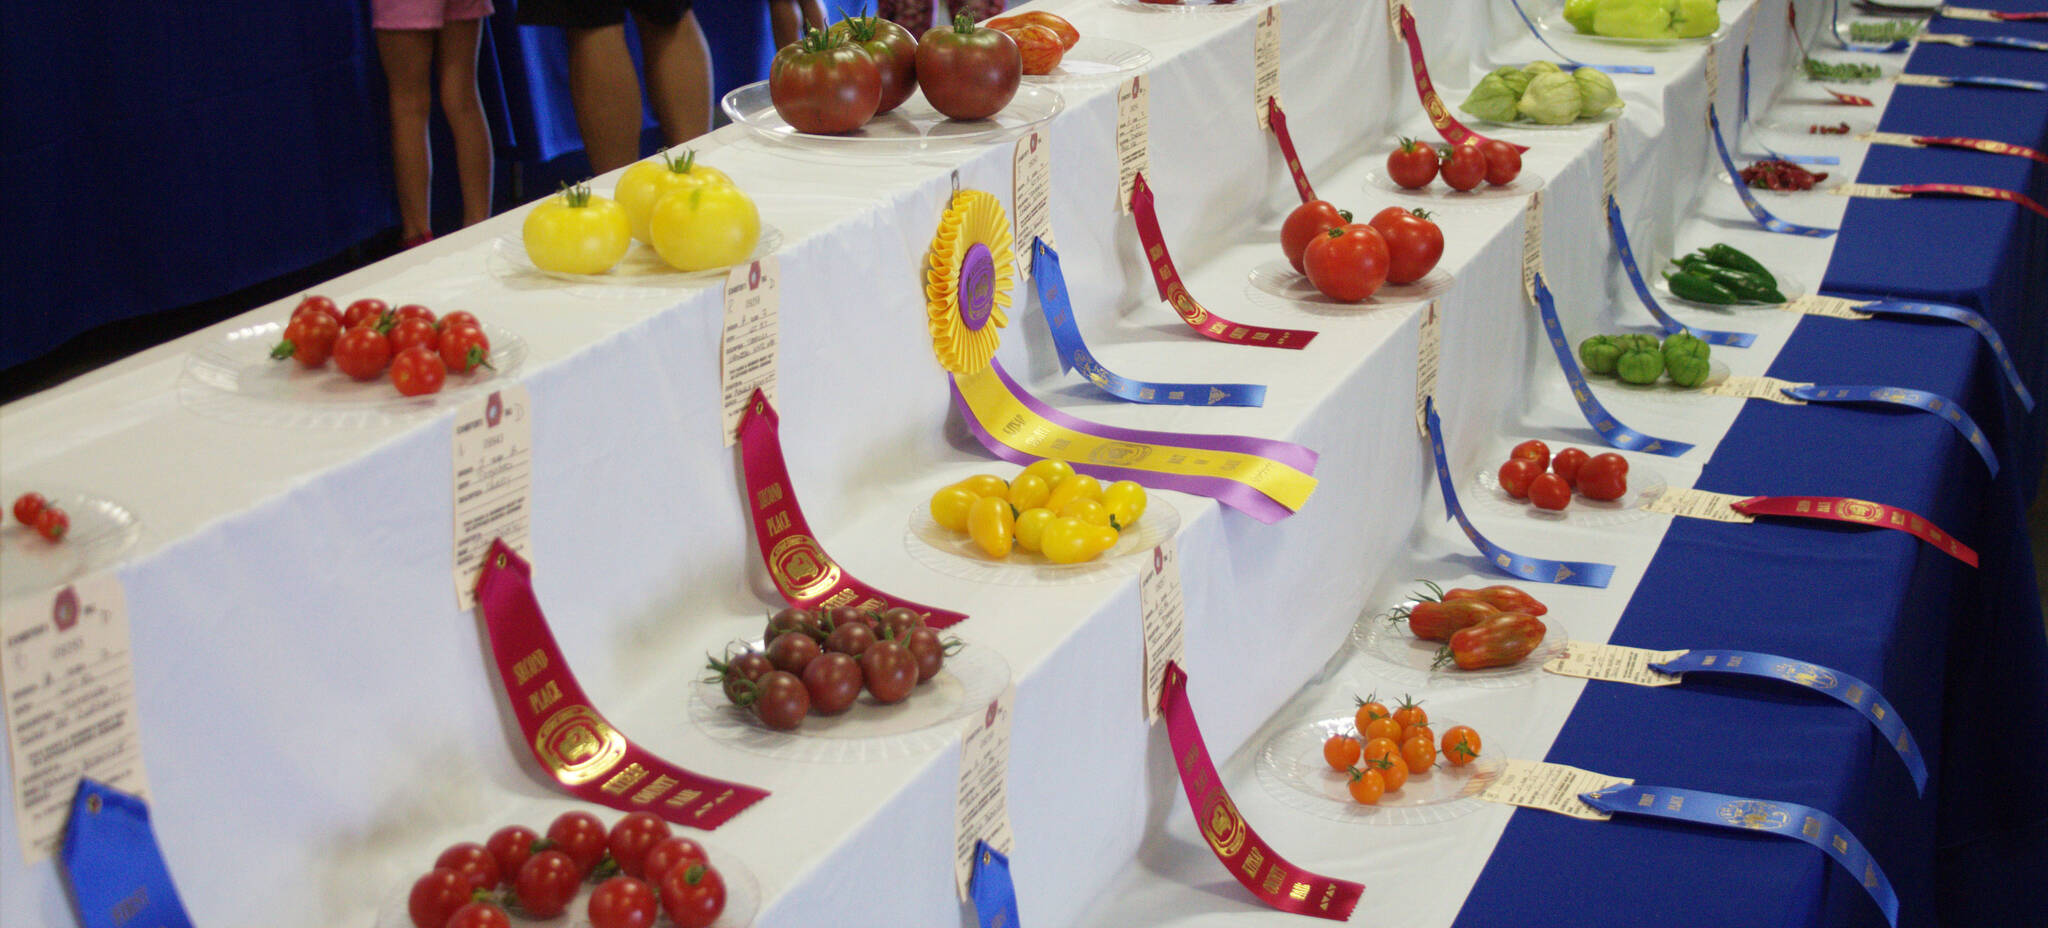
(1428, 355)
(1756, 388)
(1550, 787)
(1532, 244)
(66, 666)
(1613, 663)
(1163, 617)
(1610, 161)
(1698, 504)
(493, 482)
(1816, 305)
(1133, 137)
(1030, 197)
(982, 805)
(747, 345)
(1266, 63)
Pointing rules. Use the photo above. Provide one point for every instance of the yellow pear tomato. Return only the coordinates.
(949, 507)
(1028, 492)
(704, 227)
(644, 183)
(985, 485)
(1126, 502)
(1078, 486)
(1050, 471)
(1065, 541)
(576, 232)
(992, 525)
(1087, 510)
(1031, 525)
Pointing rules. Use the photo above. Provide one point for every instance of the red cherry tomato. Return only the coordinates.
(665, 855)
(1347, 264)
(465, 348)
(406, 333)
(693, 896)
(362, 352)
(415, 311)
(1503, 162)
(1463, 166)
(362, 311)
(1305, 223)
(456, 318)
(418, 371)
(27, 506)
(1516, 475)
(1567, 463)
(1412, 165)
(436, 896)
(52, 523)
(1604, 477)
(1549, 491)
(548, 880)
(1414, 244)
(624, 902)
(512, 845)
(318, 304)
(633, 837)
(479, 915)
(581, 836)
(309, 339)
(475, 862)
(1533, 450)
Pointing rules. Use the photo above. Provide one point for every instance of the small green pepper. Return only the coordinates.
(1690, 286)
(1687, 370)
(1640, 365)
(1599, 353)
(1637, 340)
(1686, 345)
(1747, 286)
(1727, 256)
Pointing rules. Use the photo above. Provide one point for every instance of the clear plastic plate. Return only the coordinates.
(1793, 125)
(870, 731)
(1407, 660)
(742, 894)
(1582, 122)
(1553, 23)
(1292, 769)
(1277, 278)
(956, 555)
(1189, 6)
(1437, 196)
(1791, 289)
(641, 269)
(1094, 58)
(1663, 391)
(1644, 484)
(101, 532)
(911, 127)
(233, 379)
(1836, 177)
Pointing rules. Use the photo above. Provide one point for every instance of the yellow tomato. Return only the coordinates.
(1079, 486)
(644, 183)
(1087, 510)
(1100, 538)
(707, 226)
(1126, 502)
(576, 232)
(1028, 492)
(1050, 471)
(1031, 528)
(991, 525)
(949, 507)
(985, 485)
(1065, 541)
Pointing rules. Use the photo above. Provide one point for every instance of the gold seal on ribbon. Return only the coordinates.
(967, 285)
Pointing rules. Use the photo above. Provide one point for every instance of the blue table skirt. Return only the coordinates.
(1960, 652)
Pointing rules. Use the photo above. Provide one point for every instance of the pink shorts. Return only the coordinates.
(424, 14)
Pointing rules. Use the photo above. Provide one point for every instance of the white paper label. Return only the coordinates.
(1873, 191)
(1959, 12)
(493, 482)
(1814, 305)
(1698, 504)
(1610, 162)
(1428, 354)
(1922, 80)
(70, 695)
(1163, 618)
(1613, 663)
(1133, 137)
(1266, 63)
(1550, 787)
(1394, 8)
(1532, 244)
(1030, 197)
(982, 805)
(746, 355)
(1749, 32)
(1888, 138)
(1944, 38)
(1713, 74)
(1756, 388)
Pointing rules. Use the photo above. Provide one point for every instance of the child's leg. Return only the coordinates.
(407, 55)
(456, 61)
(782, 17)
(606, 96)
(678, 75)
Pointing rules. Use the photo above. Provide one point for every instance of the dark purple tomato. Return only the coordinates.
(834, 681)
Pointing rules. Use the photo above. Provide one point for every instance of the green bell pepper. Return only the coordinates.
(1727, 256)
(1685, 344)
(1747, 286)
(1687, 285)
(1640, 365)
(1599, 353)
(1687, 370)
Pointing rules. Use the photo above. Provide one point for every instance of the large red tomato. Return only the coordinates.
(1464, 166)
(1306, 222)
(1347, 264)
(1503, 162)
(1414, 244)
(968, 72)
(1412, 165)
(822, 83)
(894, 50)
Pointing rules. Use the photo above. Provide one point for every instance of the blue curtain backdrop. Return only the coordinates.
(166, 154)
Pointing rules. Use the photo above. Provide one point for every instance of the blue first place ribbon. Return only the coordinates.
(1969, 318)
(1785, 819)
(1573, 64)
(1611, 430)
(1670, 325)
(988, 884)
(1851, 691)
(1570, 573)
(1742, 122)
(1949, 410)
(1749, 202)
(1074, 353)
(110, 856)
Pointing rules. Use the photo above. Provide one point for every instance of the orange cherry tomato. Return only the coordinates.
(1393, 772)
(1419, 754)
(1382, 728)
(1366, 786)
(1410, 715)
(1461, 746)
(1378, 748)
(1341, 752)
(1422, 731)
(1368, 710)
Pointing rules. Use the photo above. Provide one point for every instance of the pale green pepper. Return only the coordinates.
(1599, 353)
(1687, 370)
(1640, 365)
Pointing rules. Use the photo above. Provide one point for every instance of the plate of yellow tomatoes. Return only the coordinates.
(671, 221)
(1044, 525)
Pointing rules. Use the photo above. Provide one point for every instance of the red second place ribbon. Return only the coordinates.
(581, 750)
(807, 576)
(1971, 190)
(1440, 116)
(1858, 512)
(1277, 119)
(1176, 294)
(1986, 145)
(1269, 876)
(1850, 98)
